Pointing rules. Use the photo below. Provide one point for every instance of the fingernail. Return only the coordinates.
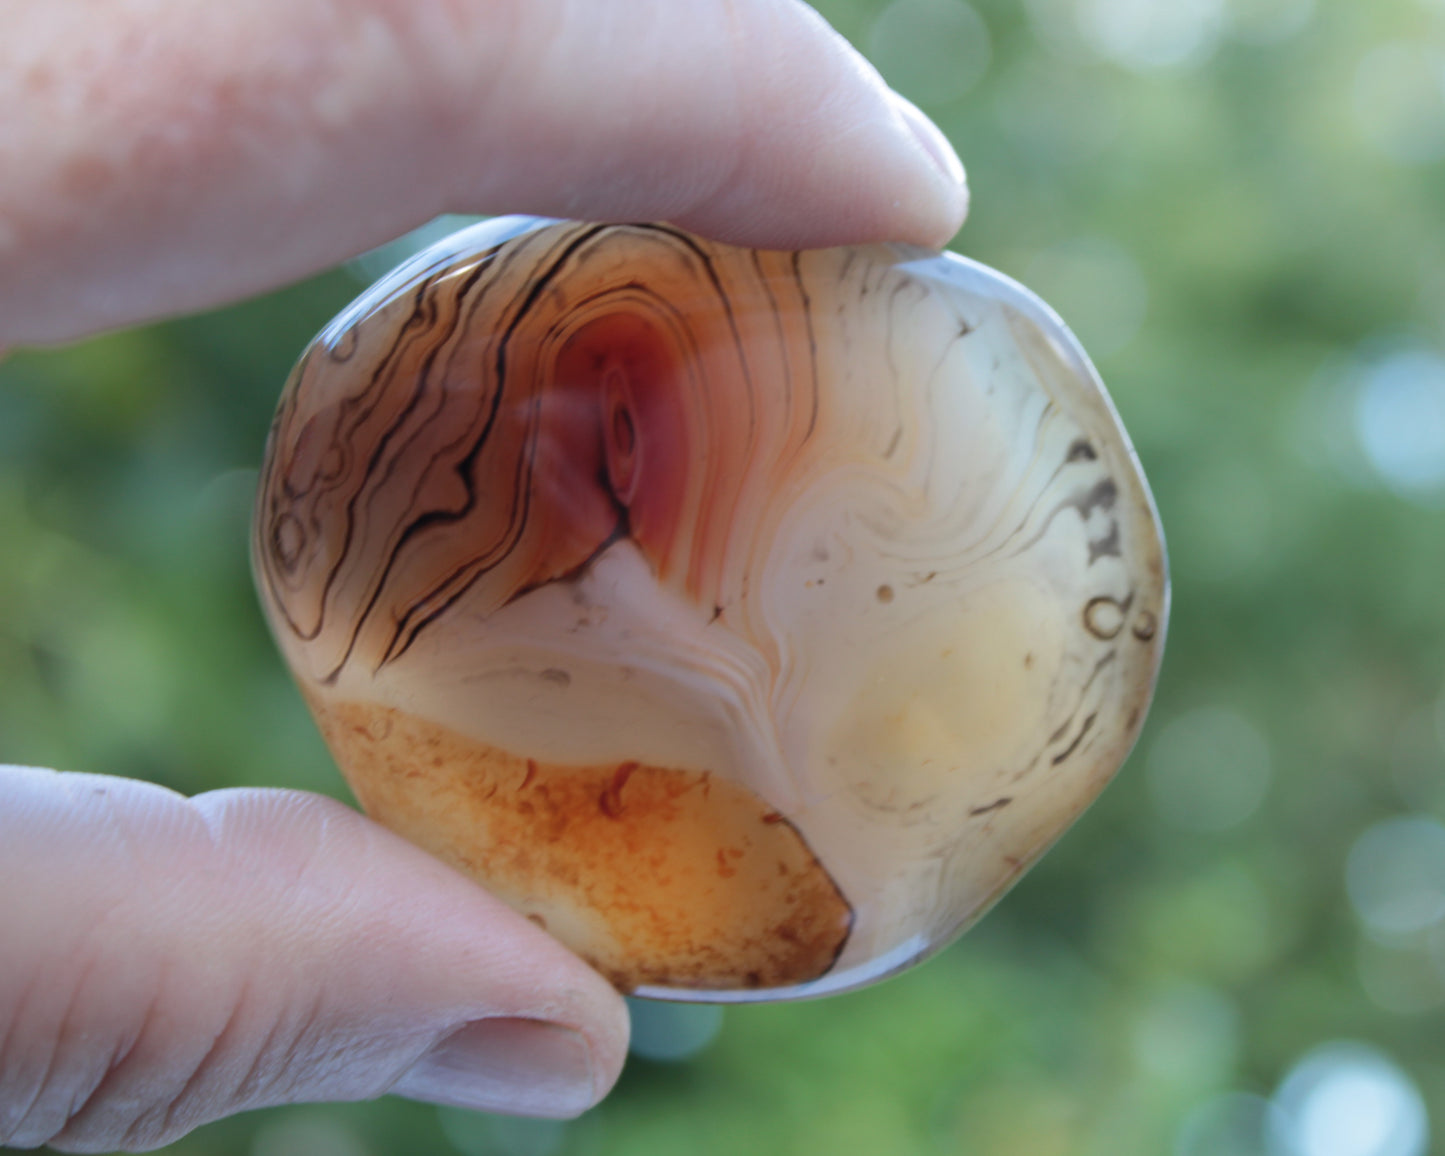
(518, 1066)
(931, 137)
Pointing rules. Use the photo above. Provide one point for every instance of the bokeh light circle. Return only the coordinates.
(932, 51)
(485, 1134)
(1395, 875)
(1231, 1124)
(1400, 418)
(1350, 1099)
(671, 1032)
(1399, 103)
(1097, 288)
(1208, 769)
(1263, 22)
(1145, 35)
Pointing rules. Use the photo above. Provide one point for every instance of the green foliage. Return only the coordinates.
(1243, 236)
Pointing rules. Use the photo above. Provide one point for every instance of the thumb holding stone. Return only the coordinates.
(168, 961)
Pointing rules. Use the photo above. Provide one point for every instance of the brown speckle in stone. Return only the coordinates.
(611, 799)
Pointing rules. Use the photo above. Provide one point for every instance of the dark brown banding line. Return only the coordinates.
(797, 263)
(565, 249)
(777, 314)
(1073, 746)
(362, 486)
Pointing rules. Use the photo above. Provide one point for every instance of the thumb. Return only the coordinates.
(170, 961)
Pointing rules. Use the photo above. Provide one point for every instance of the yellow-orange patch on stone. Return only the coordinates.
(655, 875)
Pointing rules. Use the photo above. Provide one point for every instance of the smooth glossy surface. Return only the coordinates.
(749, 620)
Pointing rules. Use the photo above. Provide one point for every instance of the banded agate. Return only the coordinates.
(749, 620)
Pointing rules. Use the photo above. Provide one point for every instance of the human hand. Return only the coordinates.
(169, 961)
(174, 156)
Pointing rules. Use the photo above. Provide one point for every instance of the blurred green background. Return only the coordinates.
(1240, 207)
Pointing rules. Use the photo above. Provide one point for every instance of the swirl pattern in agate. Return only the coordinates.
(749, 620)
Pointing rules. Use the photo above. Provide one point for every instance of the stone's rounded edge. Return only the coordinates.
(463, 244)
(469, 242)
(904, 956)
(975, 277)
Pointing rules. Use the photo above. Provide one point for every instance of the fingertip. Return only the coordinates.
(472, 966)
(519, 1067)
(610, 1042)
(249, 163)
(307, 954)
(950, 195)
(830, 155)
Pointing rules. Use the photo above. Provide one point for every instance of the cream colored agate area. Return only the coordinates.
(855, 532)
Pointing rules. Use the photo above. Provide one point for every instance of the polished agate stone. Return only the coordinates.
(748, 620)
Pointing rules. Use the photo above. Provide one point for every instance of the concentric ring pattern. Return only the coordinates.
(750, 620)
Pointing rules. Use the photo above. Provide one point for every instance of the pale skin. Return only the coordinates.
(167, 961)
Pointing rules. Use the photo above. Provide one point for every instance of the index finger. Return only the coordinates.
(174, 156)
